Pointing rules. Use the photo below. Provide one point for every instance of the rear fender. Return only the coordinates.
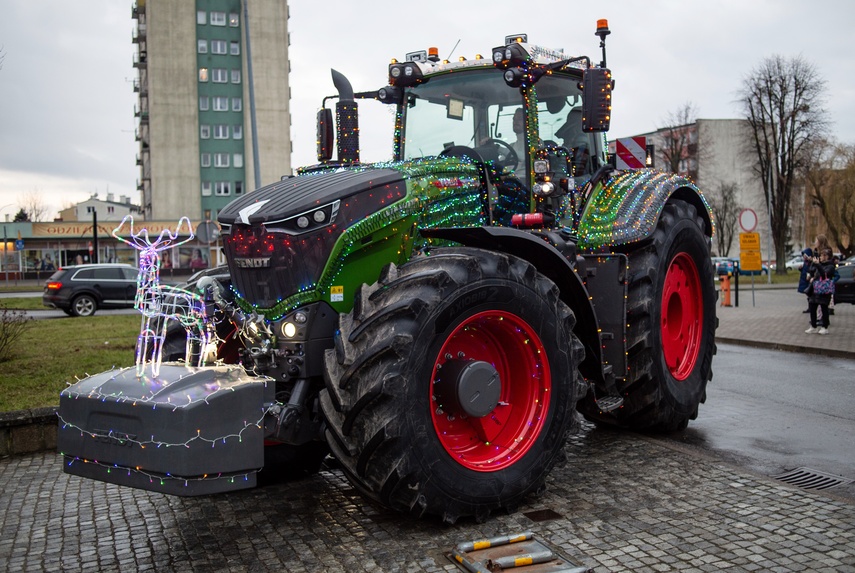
(627, 207)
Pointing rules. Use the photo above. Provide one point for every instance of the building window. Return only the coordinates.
(219, 46)
(203, 103)
(221, 103)
(235, 76)
(221, 132)
(221, 160)
(110, 209)
(219, 75)
(202, 46)
(238, 187)
(237, 160)
(222, 188)
(235, 48)
(234, 20)
(203, 74)
(201, 17)
(218, 18)
(237, 132)
(206, 160)
(206, 188)
(237, 104)
(205, 131)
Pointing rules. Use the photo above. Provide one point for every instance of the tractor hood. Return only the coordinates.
(279, 239)
(295, 196)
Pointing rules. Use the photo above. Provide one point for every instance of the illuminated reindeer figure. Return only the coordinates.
(161, 303)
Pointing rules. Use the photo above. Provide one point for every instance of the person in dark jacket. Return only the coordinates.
(804, 277)
(823, 269)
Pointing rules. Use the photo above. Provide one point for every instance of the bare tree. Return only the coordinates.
(830, 175)
(34, 206)
(726, 210)
(678, 139)
(782, 101)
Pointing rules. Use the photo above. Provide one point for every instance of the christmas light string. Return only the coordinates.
(163, 478)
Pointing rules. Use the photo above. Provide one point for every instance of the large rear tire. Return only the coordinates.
(452, 384)
(671, 316)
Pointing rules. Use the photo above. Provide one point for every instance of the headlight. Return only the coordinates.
(289, 330)
(544, 189)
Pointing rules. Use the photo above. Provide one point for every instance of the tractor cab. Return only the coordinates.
(528, 116)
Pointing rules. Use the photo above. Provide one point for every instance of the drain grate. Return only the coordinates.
(539, 515)
(807, 478)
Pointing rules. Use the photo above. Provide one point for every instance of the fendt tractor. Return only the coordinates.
(433, 322)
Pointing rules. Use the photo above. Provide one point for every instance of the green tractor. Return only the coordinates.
(434, 322)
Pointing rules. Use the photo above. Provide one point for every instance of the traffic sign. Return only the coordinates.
(19, 245)
(749, 242)
(748, 220)
(750, 261)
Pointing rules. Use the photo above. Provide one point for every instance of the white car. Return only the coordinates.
(795, 263)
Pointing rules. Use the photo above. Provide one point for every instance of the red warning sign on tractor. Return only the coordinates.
(631, 153)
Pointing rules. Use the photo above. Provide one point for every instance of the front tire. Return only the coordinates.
(452, 385)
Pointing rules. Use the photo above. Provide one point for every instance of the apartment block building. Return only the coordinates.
(210, 125)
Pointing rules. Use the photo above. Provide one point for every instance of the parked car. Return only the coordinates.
(844, 291)
(80, 290)
(726, 266)
(723, 265)
(764, 269)
(793, 264)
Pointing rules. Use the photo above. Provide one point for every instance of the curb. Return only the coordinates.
(28, 431)
(815, 351)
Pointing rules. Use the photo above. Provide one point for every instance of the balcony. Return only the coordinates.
(140, 59)
(138, 35)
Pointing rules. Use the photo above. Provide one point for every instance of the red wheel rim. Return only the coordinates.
(682, 316)
(499, 439)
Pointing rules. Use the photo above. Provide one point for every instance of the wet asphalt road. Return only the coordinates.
(772, 411)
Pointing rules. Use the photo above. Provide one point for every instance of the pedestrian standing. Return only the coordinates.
(820, 291)
(804, 277)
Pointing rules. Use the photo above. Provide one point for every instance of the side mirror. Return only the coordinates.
(597, 85)
(325, 134)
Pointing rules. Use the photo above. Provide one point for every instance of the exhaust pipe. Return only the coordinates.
(347, 120)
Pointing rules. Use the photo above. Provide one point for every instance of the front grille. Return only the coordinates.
(267, 266)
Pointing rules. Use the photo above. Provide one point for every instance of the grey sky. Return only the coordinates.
(66, 98)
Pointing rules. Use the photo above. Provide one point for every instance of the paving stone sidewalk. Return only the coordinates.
(622, 503)
(775, 320)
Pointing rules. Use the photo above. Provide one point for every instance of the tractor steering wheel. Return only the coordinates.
(509, 159)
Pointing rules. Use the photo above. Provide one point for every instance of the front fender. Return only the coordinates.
(551, 263)
(627, 207)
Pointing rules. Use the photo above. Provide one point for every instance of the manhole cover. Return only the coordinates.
(807, 478)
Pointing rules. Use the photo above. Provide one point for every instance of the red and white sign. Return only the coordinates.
(748, 220)
(631, 153)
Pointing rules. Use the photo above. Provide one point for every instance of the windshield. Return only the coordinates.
(465, 109)
(476, 110)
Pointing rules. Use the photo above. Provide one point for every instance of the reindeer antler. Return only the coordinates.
(141, 241)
